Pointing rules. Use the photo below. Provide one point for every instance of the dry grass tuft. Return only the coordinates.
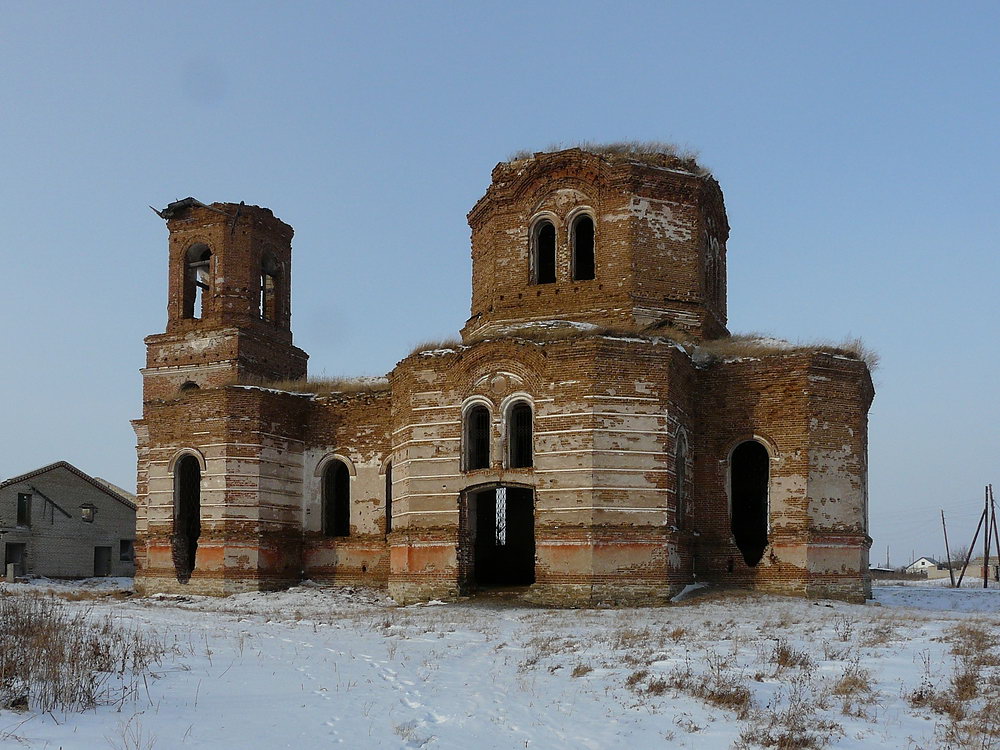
(581, 669)
(757, 345)
(433, 344)
(56, 658)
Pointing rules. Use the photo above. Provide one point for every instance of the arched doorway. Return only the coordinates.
(187, 516)
(749, 475)
(336, 499)
(497, 538)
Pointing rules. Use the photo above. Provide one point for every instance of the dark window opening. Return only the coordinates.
(477, 438)
(126, 550)
(336, 499)
(545, 253)
(504, 544)
(749, 476)
(189, 385)
(102, 561)
(87, 513)
(583, 248)
(388, 497)
(680, 469)
(23, 509)
(269, 273)
(520, 452)
(187, 517)
(196, 280)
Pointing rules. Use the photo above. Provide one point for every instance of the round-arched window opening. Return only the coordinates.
(477, 438)
(197, 277)
(188, 385)
(544, 253)
(749, 476)
(582, 240)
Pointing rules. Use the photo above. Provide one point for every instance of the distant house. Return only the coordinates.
(924, 565)
(59, 522)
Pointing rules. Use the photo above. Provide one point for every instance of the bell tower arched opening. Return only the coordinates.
(187, 516)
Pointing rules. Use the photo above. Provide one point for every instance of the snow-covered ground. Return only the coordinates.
(312, 667)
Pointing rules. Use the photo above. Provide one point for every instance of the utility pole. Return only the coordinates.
(986, 537)
(947, 552)
(975, 538)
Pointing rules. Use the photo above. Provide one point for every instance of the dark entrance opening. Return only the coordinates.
(102, 561)
(16, 555)
(504, 541)
(187, 516)
(336, 499)
(748, 476)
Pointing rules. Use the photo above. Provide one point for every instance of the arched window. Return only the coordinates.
(520, 452)
(187, 516)
(270, 271)
(582, 239)
(477, 438)
(543, 242)
(749, 476)
(197, 266)
(188, 385)
(336, 499)
(681, 472)
(388, 497)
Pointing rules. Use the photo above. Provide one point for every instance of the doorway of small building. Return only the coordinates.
(501, 536)
(749, 475)
(15, 554)
(102, 562)
(187, 516)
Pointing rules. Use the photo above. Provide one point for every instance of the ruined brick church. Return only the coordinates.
(590, 440)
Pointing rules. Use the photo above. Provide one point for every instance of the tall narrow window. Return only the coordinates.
(583, 248)
(336, 499)
(520, 453)
(680, 470)
(196, 280)
(24, 509)
(269, 297)
(477, 438)
(187, 516)
(388, 497)
(544, 241)
(749, 476)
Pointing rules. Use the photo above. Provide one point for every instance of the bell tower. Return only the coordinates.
(228, 301)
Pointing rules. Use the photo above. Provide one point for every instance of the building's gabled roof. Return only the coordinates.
(931, 560)
(105, 487)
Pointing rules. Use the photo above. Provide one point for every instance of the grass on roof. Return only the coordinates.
(656, 153)
(323, 386)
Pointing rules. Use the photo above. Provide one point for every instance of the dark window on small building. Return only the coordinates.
(388, 497)
(87, 512)
(197, 266)
(336, 499)
(544, 241)
(126, 550)
(269, 287)
(583, 248)
(477, 438)
(520, 452)
(24, 509)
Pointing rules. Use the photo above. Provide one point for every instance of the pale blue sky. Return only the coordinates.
(856, 144)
